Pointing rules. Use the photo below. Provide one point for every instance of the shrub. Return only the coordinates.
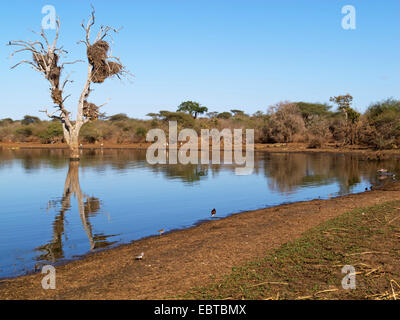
(184, 119)
(224, 115)
(285, 123)
(6, 121)
(118, 117)
(24, 131)
(89, 133)
(29, 120)
(54, 130)
(141, 132)
(315, 143)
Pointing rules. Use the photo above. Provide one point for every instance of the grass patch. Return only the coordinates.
(310, 267)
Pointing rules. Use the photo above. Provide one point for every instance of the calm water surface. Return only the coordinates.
(51, 211)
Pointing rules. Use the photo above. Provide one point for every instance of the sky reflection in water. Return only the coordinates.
(52, 211)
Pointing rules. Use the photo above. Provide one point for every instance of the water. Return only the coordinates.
(51, 211)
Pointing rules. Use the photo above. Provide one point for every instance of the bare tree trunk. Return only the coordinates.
(74, 149)
(71, 136)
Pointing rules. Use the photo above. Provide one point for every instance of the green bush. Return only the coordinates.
(141, 132)
(224, 115)
(24, 131)
(29, 120)
(184, 119)
(89, 133)
(54, 130)
(6, 121)
(118, 117)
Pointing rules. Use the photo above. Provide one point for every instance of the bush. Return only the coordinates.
(141, 132)
(24, 131)
(89, 133)
(52, 132)
(6, 121)
(183, 119)
(285, 123)
(29, 120)
(118, 117)
(224, 115)
(315, 143)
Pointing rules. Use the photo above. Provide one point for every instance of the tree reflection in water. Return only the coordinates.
(87, 207)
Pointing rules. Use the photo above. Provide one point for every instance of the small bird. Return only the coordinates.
(161, 231)
(382, 171)
(140, 256)
(213, 212)
(38, 266)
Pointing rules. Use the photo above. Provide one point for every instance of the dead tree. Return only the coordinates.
(45, 58)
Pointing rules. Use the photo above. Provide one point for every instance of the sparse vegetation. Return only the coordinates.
(314, 124)
(310, 267)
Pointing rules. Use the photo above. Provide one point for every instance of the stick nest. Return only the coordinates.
(49, 64)
(90, 110)
(102, 68)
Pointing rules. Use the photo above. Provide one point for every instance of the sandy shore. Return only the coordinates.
(181, 260)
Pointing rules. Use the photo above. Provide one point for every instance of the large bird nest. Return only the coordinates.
(48, 63)
(102, 68)
(56, 95)
(97, 53)
(90, 110)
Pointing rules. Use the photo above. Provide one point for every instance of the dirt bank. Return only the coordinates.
(179, 261)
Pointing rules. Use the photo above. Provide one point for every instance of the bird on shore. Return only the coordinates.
(140, 256)
(161, 231)
(382, 170)
(213, 212)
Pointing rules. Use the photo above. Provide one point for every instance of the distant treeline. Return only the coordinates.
(312, 123)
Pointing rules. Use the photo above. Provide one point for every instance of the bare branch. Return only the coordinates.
(71, 62)
(27, 62)
(66, 98)
(102, 105)
(50, 115)
(57, 33)
(88, 27)
(66, 81)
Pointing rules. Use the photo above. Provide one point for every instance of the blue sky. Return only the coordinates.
(226, 54)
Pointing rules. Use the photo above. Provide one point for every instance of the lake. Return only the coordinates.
(52, 211)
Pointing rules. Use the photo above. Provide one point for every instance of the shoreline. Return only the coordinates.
(182, 259)
(370, 154)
